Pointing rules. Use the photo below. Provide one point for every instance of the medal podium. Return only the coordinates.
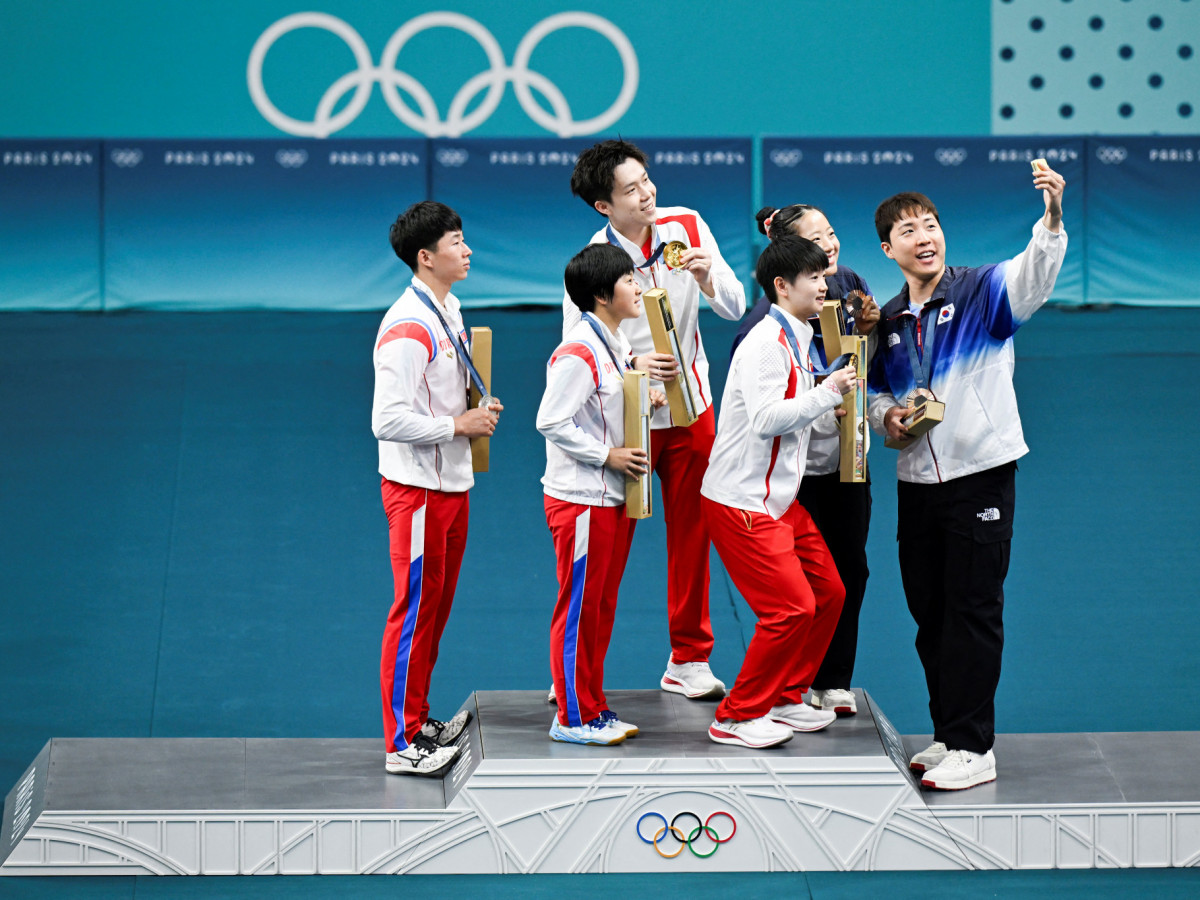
(669, 800)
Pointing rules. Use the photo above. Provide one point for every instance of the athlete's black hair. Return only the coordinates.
(896, 207)
(594, 272)
(420, 227)
(784, 218)
(787, 256)
(592, 179)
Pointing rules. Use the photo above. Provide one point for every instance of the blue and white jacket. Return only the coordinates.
(973, 314)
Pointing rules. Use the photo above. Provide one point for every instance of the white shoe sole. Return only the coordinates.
(728, 737)
(563, 738)
(802, 726)
(974, 781)
(406, 769)
(677, 687)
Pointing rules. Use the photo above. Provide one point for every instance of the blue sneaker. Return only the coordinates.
(597, 731)
(615, 721)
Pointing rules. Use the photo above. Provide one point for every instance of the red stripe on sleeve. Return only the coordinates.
(791, 385)
(584, 352)
(412, 330)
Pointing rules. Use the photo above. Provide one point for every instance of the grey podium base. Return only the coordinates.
(516, 802)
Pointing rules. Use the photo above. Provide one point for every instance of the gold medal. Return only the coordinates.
(672, 253)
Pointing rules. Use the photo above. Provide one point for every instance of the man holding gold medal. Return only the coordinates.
(945, 342)
(670, 248)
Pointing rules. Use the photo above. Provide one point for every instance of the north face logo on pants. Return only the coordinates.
(991, 514)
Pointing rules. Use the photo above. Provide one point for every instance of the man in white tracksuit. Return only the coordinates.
(420, 417)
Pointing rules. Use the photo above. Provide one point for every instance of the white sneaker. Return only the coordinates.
(837, 700)
(801, 716)
(445, 733)
(756, 733)
(694, 680)
(615, 721)
(961, 769)
(597, 731)
(421, 757)
(550, 698)
(929, 758)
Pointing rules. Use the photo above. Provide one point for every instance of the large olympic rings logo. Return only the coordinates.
(685, 840)
(427, 120)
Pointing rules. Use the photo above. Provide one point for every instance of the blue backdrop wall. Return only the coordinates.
(302, 223)
(204, 183)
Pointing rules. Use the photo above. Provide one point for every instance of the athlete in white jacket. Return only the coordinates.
(582, 416)
(768, 542)
(420, 417)
(611, 178)
(948, 334)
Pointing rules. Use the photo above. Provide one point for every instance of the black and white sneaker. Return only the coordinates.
(446, 733)
(421, 757)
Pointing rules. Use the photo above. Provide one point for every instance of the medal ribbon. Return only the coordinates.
(599, 329)
(612, 239)
(459, 343)
(921, 364)
(777, 314)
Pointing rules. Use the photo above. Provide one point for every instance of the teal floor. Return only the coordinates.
(1148, 884)
(192, 544)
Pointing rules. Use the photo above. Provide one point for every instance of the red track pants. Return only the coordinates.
(427, 531)
(680, 457)
(785, 573)
(591, 544)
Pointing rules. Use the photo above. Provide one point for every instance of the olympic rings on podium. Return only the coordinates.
(689, 840)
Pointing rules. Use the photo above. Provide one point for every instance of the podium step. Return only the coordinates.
(517, 802)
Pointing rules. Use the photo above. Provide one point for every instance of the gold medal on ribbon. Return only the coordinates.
(672, 253)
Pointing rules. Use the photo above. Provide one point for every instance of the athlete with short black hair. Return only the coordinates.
(611, 178)
(420, 418)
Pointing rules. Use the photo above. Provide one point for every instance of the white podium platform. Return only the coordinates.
(516, 802)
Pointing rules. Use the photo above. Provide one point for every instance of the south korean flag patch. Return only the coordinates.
(946, 314)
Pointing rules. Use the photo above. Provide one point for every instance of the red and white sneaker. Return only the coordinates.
(836, 700)
(802, 717)
(753, 733)
(929, 758)
(961, 769)
(694, 680)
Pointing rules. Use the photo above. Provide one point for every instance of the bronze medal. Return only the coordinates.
(853, 303)
(916, 394)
